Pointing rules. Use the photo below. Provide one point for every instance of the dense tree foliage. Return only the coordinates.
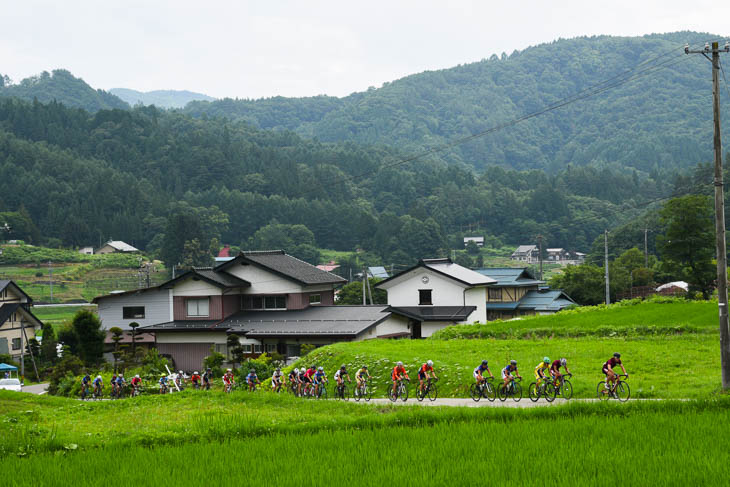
(63, 87)
(654, 122)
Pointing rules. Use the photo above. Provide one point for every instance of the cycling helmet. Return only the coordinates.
(296, 371)
(195, 373)
(121, 375)
(513, 362)
(99, 377)
(430, 363)
(320, 369)
(228, 370)
(181, 372)
(252, 371)
(399, 364)
(546, 360)
(617, 355)
(208, 369)
(342, 367)
(364, 366)
(485, 363)
(563, 361)
(137, 376)
(278, 369)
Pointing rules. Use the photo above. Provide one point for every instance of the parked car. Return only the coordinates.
(10, 384)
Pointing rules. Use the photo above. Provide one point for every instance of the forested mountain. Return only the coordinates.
(168, 182)
(63, 87)
(661, 120)
(159, 98)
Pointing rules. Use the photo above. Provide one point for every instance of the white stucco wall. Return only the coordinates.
(156, 302)
(263, 281)
(428, 328)
(393, 324)
(403, 291)
(191, 287)
(476, 296)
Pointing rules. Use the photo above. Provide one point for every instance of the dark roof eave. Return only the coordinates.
(242, 258)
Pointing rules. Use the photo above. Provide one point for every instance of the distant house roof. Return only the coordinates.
(121, 246)
(556, 250)
(328, 267)
(523, 249)
(8, 309)
(547, 300)
(4, 283)
(511, 276)
(346, 321)
(434, 313)
(284, 265)
(224, 252)
(474, 239)
(679, 284)
(378, 272)
(449, 269)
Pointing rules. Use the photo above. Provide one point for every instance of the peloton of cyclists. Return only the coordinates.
(361, 375)
(85, 382)
(479, 372)
(399, 374)
(295, 381)
(340, 376)
(277, 380)
(555, 370)
(228, 380)
(509, 373)
(98, 385)
(424, 373)
(195, 380)
(207, 377)
(163, 384)
(252, 380)
(611, 376)
(540, 371)
(120, 384)
(136, 384)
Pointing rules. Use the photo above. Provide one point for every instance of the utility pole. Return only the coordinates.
(50, 279)
(646, 247)
(605, 252)
(721, 247)
(539, 239)
(364, 277)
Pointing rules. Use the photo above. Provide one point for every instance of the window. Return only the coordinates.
(247, 348)
(132, 312)
(263, 302)
(424, 296)
(257, 348)
(495, 294)
(16, 343)
(198, 307)
(315, 298)
(271, 348)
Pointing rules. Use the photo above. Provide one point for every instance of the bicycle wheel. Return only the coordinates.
(623, 392)
(345, 394)
(322, 393)
(566, 389)
(356, 393)
(517, 392)
(489, 392)
(392, 395)
(433, 393)
(368, 394)
(420, 394)
(475, 392)
(404, 393)
(502, 392)
(549, 392)
(533, 392)
(602, 391)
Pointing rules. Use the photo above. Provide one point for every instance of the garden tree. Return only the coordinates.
(584, 283)
(296, 240)
(479, 262)
(68, 364)
(87, 327)
(463, 260)
(116, 338)
(306, 348)
(189, 232)
(352, 293)
(69, 339)
(48, 344)
(134, 325)
(214, 361)
(215, 247)
(688, 247)
(194, 255)
(233, 343)
(472, 248)
(33, 348)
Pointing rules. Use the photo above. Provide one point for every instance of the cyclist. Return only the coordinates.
(113, 383)
(252, 379)
(228, 380)
(308, 376)
(340, 376)
(195, 380)
(510, 372)
(120, 384)
(555, 370)
(319, 378)
(425, 372)
(98, 385)
(163, 384)
(479, 372)
(294, 380)
(136, 384)
(179, 378)
(360, 376)
(540, 370)
(85, 382)
(207, 376)
(399, 373)
(611, 377)
(277, 380)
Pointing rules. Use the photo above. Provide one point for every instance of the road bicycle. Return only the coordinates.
(341, 392)
(308, 390)
(620, 390)
(293, 388)
(277, 387)
(485, 390)
(98, 393)
(563, 387)
(252, 386)
(321, 391)
(546, 389)
(401, 391)
(136, 391)
(362, 392)
(429, 390)
(513, 390)
(85, 394)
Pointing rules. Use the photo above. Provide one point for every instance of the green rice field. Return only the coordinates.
(647, 443)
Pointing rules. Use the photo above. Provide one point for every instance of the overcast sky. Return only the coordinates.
(253, 49)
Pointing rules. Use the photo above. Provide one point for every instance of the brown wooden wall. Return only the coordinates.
(180, 308)
(188, 357)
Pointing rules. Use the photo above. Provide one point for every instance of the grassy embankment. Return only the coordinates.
(146, 438)
(76, 277)
(669, 347)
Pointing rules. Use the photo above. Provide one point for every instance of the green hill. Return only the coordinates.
(660, 120)
(159, 98)
(62, 87)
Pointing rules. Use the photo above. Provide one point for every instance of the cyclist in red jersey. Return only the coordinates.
(399, 373)
(611, 376)
(555, 369)
(425, 372)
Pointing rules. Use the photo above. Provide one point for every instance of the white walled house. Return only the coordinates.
(434, 294)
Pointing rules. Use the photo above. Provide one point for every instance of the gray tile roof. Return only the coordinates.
(545, 301)
(223, 278)
(312, 321)
(285, 265)
(8, 309)
(179, 325)
(434, 313)
(455, 271)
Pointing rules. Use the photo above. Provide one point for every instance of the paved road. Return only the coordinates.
(467, 402)
(36, 388)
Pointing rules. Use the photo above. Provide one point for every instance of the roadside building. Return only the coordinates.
(558, 255)
(86, 250)
(116, 246)
(526, 253)
(15, 318)
(477, 240)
